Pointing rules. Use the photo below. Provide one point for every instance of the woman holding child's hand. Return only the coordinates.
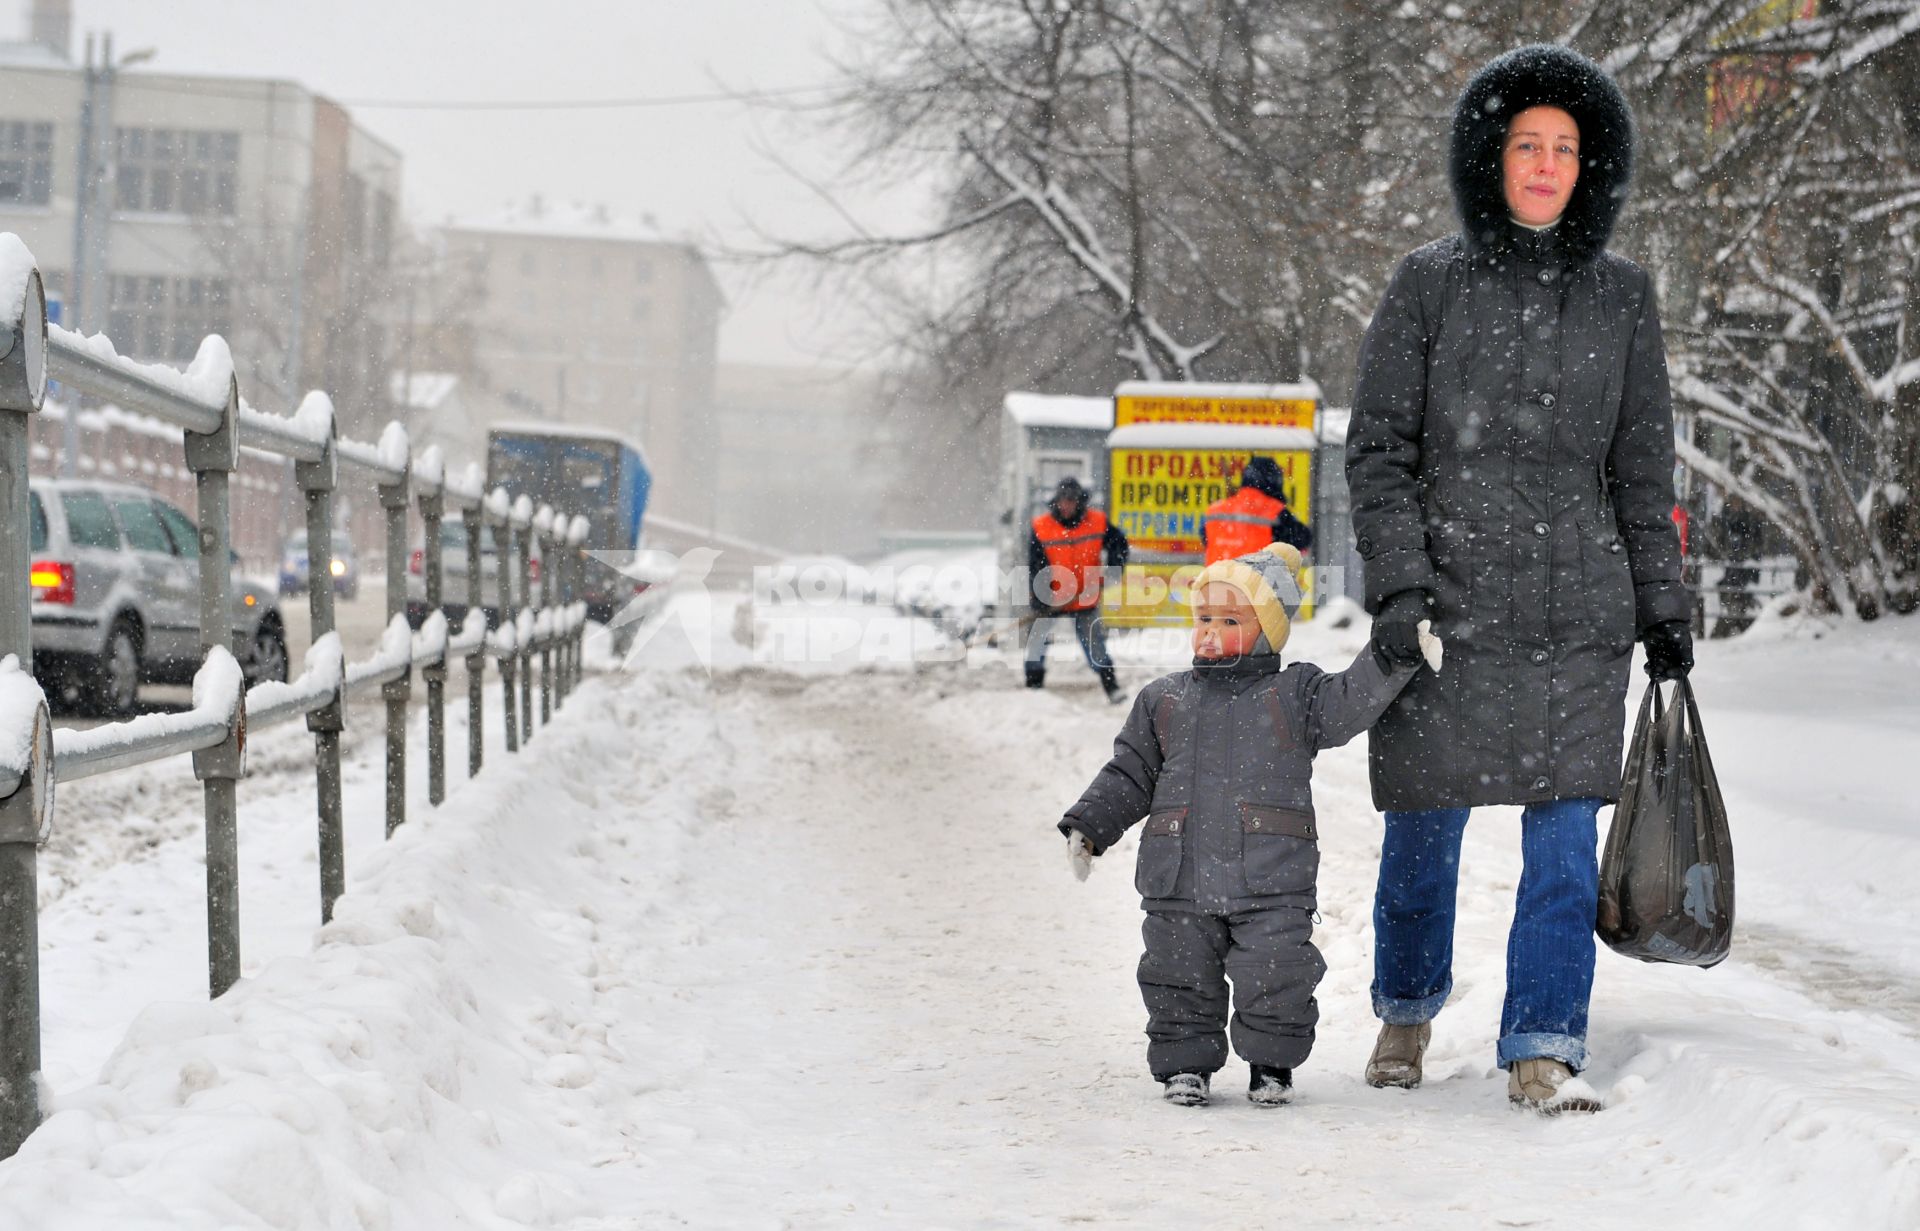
(1511, 466)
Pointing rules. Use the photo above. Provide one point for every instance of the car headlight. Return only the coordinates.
(339, 568)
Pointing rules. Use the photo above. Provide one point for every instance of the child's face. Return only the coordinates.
(1225, 624)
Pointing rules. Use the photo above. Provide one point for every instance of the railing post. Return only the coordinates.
(24, 813)
(317, 481)
(432, 506)
(393, 498)
(503, 591)
(549, 583)
(577, 654)
(473, 520)
(213, 457)
(523, 514)
(563, 638)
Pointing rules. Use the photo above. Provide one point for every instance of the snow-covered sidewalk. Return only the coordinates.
(798, 950)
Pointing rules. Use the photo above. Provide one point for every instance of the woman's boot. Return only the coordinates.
(1397, 1055)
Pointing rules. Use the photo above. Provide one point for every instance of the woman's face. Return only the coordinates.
(1540, 164)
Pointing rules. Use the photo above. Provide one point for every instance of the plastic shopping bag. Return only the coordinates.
(1666, 877)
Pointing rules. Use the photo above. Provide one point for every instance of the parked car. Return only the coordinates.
(453, 573)
(115, 579)
(295, 569)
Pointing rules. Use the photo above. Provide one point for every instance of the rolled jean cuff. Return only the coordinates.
(1397, 1012)
(1562, 1047)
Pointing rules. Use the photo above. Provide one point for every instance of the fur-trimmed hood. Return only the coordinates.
(1544, 74)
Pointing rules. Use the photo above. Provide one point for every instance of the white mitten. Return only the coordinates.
(1430, 645)
(1079, 854)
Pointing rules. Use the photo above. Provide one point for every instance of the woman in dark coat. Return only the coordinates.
(1511, 465)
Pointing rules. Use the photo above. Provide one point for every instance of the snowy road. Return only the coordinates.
(800, 950)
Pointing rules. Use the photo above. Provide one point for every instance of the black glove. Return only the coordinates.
(1669, 650)
(1396, 631)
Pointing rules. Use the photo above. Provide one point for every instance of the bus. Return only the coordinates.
(586, 471)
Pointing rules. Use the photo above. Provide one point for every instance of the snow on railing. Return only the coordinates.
(272, 701)
(217, 690)
(389, 662)
(23, 725)
(472, 635)
(203, 405)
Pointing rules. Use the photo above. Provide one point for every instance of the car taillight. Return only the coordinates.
(533, 570)
(52, 581)
(415, 561)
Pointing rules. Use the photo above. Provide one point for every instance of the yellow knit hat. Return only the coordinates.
(1270, 578)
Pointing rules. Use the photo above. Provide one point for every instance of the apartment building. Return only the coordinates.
(587, 317)
(163, 207)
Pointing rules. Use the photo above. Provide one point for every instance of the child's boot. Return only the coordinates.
(1187, 1089)
(1270, 1087)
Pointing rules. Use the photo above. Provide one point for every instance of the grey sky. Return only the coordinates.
(695, 168)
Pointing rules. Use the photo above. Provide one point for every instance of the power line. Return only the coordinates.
(579, 104)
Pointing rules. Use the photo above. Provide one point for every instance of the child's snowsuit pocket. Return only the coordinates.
(1162, 841)
(1282, 849)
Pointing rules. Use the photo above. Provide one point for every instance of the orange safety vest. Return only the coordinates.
(1240, 523)
(1073, 558)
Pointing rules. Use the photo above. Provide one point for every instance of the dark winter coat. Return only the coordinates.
(1511, 455)
(1219, 759)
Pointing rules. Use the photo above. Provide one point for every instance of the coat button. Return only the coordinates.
(1546, 277)
(1539, 656)
(1613, 545)
(1539, 784)
(1256, 822)
(1540, 528)
(1546, 400)
(1365, 547)
(1173, 827)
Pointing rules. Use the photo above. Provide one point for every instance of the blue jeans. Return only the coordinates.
(1549, 951)
(1088, 627)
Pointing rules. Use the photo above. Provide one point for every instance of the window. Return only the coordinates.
(176, 171)
(89, 523)
(26, 162)
(142, 525)
(186, 538)
(156, 318)
(37, 516)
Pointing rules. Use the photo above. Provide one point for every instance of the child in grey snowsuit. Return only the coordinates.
(1218, 759)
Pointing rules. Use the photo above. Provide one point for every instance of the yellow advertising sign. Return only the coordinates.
(1160, 495)
(1189, 408)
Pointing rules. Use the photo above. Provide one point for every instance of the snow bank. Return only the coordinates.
(417, 1069)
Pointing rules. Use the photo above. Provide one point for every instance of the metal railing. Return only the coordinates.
(204, 403)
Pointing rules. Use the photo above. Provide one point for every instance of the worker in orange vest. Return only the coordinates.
(1064, 550)
(1254, 516)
